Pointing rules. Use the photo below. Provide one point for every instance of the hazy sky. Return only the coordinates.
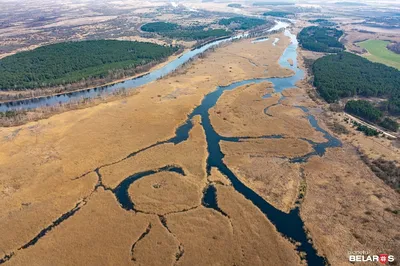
(396, 2)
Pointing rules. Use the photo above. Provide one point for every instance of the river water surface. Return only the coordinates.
(128, 84)
(289, 224)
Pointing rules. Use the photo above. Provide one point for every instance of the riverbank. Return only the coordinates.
(31, 95)
(40, 108)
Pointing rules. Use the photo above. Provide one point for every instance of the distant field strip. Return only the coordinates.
(379, 53)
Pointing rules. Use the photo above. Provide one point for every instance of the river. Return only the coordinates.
(289, 224)
(128, 84)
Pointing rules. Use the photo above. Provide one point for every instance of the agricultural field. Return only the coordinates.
(378, 52)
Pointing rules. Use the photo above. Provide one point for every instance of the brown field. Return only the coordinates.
(347, 208)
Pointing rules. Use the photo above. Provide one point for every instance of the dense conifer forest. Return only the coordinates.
(369, 112)
(175, 31)
(363, 109)
(242, 23)
(281, 14)
(69, 62)
(235, 5)
(345, 75)
(159, 27)
(321, 39)
(323, 22)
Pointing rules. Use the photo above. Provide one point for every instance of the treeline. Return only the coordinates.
(159, 27)
(235, 5)
(196, 34)
(346, 75)
(389, 123)
(350, 4)
(363, 109)
(386, 170)
(369, 112)
(321, 39)
(281, 14)
(323, 22)
(394, 47)
(175, 31)
(370, 132)
(242, 23)
(69, 62)
(273, 3)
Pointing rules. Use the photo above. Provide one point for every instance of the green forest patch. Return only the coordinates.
(378, 52)
(281, 14)
(69, 62)
(345, 75)
(321, 39)
(175, 31)
(242, 23)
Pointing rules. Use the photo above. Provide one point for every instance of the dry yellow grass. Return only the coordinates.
(373, 147)
(279, 182)
(287, 148)
(39, 161)
(101, 233)
(241, 112)
(275, 179)
(166, 192)
(206, 235)
(217, 177)
(256, 237)
(190, 155)
(347, 208)
(158, 247)
(19, 224)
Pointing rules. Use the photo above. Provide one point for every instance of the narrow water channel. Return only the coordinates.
(290, 224)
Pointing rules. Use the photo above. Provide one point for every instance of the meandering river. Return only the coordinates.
(290, 224)
(128, 84)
